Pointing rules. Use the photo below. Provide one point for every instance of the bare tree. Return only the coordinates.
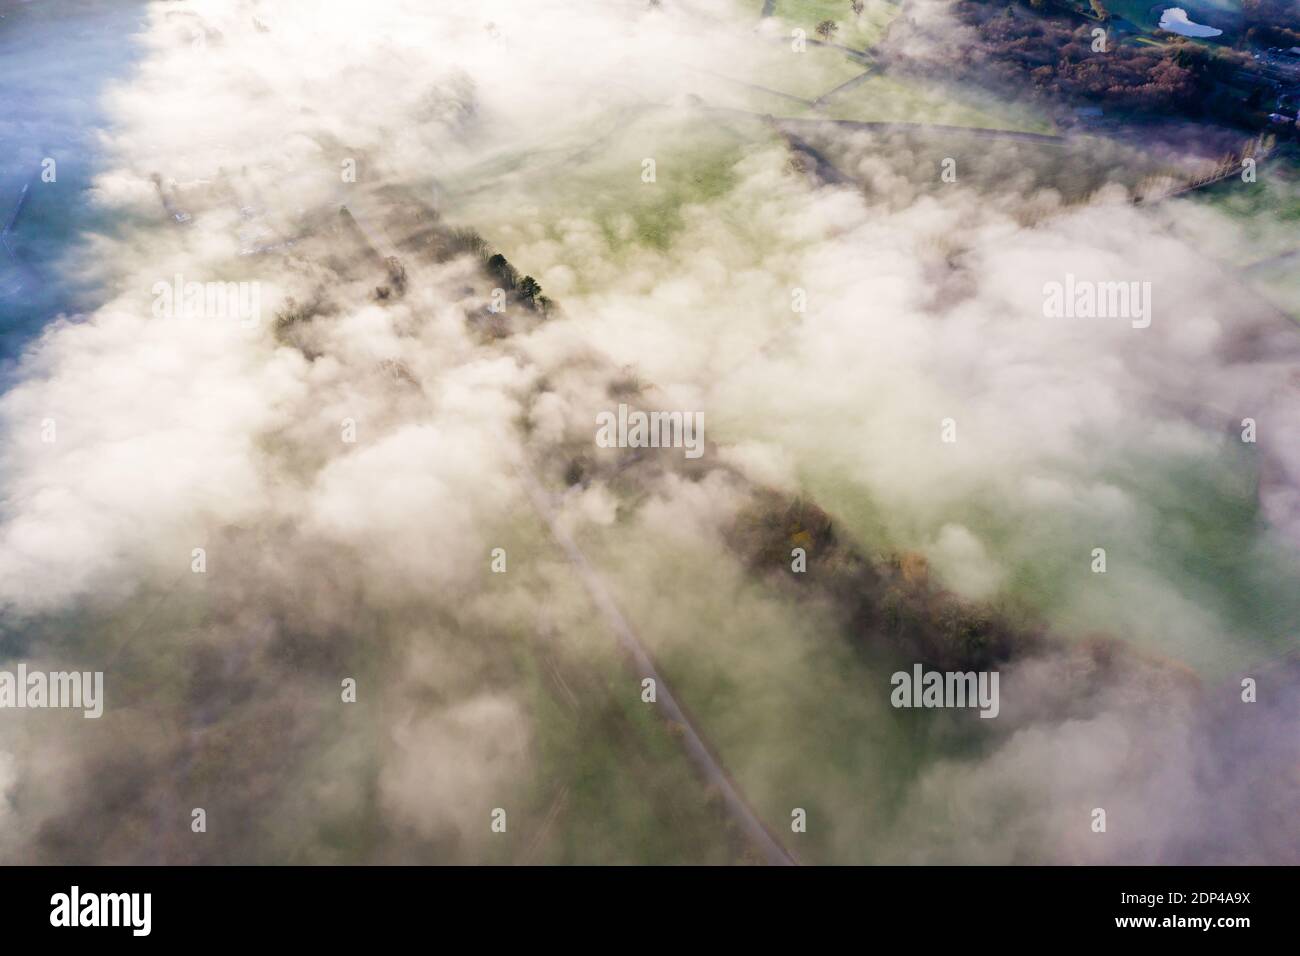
(826, 29)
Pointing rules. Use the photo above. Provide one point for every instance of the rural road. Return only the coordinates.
(697, 750)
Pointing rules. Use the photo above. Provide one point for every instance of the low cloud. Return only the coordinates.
(348, 464)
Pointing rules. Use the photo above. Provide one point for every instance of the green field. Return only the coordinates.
(886, 99)
(816, 74)
(806, 75)
(1268, 214)
(859, 32)
(601, 180)
(696, 156)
